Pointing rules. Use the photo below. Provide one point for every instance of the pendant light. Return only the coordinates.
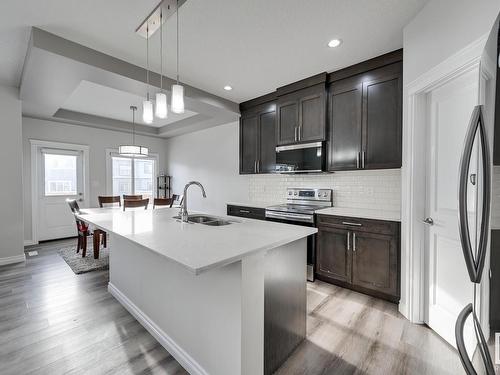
(177, 105)
(161, 98)
(133, 150)
(147, 105)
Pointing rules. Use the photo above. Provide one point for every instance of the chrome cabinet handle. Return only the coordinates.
(258, 165)
(363, 155)
(295, 134)
(357, 160)
(348, 241)
(354, 242)
(428, 221)
(244, 212)
(299, 132)
(352, 224)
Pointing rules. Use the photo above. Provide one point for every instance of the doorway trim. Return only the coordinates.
(36, 145)
(413, 175)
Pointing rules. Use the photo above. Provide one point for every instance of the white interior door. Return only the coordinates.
(449, 289)
(60, 176)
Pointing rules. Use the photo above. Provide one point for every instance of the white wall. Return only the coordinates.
(11, 198)
(442, 28)
(97, 139)
(211, 157)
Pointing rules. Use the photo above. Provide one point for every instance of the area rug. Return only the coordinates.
(88, 264)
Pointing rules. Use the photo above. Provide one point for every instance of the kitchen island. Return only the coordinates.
(227, 299)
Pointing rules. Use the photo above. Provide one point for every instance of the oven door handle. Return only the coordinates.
(290, 217)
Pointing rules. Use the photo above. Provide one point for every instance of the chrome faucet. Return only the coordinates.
(183, 212)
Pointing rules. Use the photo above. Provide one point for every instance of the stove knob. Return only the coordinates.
(295, 193)
(289, 193)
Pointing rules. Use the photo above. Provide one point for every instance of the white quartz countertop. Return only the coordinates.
(362, 213)
(197, 247)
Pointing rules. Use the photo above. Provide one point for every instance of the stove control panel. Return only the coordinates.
(309, 194)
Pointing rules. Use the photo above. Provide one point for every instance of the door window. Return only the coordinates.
(60, 173)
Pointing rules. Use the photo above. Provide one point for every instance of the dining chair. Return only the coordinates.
(109, 199)
(162, 202)
(133, 203)
(176, 199)
(81, 227)
(129, 197)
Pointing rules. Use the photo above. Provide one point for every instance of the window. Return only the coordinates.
(60, 174)
(133, 176)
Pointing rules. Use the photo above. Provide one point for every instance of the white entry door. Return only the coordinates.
(449, 288)
(60, 176)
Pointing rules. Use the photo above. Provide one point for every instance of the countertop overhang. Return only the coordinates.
(196, 247)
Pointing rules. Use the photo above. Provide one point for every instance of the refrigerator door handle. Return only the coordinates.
(474, 258)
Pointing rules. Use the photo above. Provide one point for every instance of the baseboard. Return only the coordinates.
(29, 243)
(14, 259)
(166, 341)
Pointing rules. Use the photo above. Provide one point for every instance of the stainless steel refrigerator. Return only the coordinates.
(478, 192)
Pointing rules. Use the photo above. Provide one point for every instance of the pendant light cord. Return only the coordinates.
(133, 126)
(161, 48)
(147, 58)
(177, 15)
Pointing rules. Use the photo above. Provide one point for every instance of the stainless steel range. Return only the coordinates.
(300, 206)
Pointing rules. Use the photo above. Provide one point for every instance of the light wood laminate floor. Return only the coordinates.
(55, 322)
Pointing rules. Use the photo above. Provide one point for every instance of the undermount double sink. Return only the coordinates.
(207, 220)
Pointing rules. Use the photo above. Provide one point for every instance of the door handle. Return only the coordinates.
(348, 241)
(295, 134)
(472, 178)
(363, 155)
(299, 131)
(357, 160)
(428, 221)
(258, 165)
(354, 242)
(255, 166)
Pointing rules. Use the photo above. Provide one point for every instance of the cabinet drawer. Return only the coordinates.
(244, 211)
(359, 225)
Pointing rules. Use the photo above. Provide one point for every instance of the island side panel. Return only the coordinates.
(285, 300)
(196, 318)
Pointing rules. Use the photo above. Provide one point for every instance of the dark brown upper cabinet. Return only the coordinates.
(301, 111)
(365, 116)
(257, 135)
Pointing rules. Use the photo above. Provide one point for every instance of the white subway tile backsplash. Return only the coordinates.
(379, 189)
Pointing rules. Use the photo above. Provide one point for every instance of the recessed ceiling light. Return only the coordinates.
(228, 88)
(334, 43)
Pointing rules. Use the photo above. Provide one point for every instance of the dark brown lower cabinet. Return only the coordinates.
(332, 256)
(359, 254)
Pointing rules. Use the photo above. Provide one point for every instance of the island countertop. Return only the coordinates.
(197, 247)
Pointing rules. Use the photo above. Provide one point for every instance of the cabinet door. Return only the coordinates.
(345, 102)
(382, 122)
(333, 259)
(267, 136)
(287, 119)
(312, 124)
(375, 262)
(248, 144)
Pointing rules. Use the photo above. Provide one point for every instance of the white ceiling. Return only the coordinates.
(253, 45)
(98, 100)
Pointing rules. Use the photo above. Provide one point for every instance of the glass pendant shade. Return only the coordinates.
(133, 151)
(147, 111)
(177, 105)
(161, 105)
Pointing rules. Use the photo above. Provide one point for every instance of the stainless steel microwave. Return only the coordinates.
(301, 158)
